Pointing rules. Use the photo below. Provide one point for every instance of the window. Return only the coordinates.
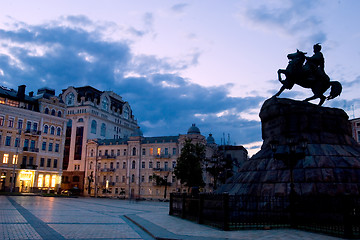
(158, 152)
(50, 147)
(26, 143)
(11, 122)
(142, 178)
(46, 128)
(57, 147)
(142, 164)
(157, 164)
(59, 114)
(53, 112)
(43, 147)
(166, 151)
(81, 120)
(20, 124)
(28, 126)
(42, 162)
(123, 179)
(48, 164)
(1, 120)
(358, 136)
(46, 111)
(173, 164)
(5, 158)
(76, 179)
(40, 180)
(112, 153)
(126, 113)
(92, 153)
(174, 151)
(111, 165)
(31, 161)
(132, 178)
(117, 179)
(32, 145)
(124, 165)
(118, 152)
(103, 130)
(134, 151)
(24, 160)
(52, 130)
(70, 99)
(117, 165)
(17, 142)
(124, 152)
(150, 179)
(105, 103)
(58, 131)
(15, 159)
(133, 165)
(93, 126)
(166, 166)
(143, 151)
(55, 163)
(7, 141)
(150, 164)
(106, 152)
(35, 126)
(100, 152)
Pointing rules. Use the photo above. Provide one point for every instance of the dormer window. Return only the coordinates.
(70, 99)
(126, 113)
(105, 104)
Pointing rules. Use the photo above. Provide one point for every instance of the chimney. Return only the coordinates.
(31, 94)
(21, 91)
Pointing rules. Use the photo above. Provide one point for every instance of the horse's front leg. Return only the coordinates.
(281, 71)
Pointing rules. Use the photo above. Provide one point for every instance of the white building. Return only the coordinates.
(92, 114)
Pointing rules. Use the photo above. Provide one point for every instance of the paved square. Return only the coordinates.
(36, 217)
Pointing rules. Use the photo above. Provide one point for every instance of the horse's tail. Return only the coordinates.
(336, 89)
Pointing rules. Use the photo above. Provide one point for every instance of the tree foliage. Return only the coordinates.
(219, 167)
(188, 167)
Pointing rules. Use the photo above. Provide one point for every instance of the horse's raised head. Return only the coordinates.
(297, 55)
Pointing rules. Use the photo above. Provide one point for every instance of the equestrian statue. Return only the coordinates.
(308, 75)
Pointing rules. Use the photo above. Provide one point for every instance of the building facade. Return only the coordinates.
(139, 167)
(91, 114)
(31, 140)
(355, 127)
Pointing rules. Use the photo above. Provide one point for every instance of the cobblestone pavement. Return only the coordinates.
(35, 217)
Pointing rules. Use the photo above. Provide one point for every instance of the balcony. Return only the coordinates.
(32, 132)
(107, 169)
(107, 156)
(162, 169)
(27, 149)
(28, 166)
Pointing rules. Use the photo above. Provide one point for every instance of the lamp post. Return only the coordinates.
(290, 153)
(15, 160)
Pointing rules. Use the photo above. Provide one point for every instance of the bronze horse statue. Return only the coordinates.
(297, 73)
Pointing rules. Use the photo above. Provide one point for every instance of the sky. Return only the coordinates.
(208, 62)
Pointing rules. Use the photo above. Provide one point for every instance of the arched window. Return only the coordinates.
(46, 110)
(69, 123)
(58, 131)
(70, 99)
(46, 128)
(52, 130)
(93, 126)
(53, 112)
(126, 112)
(105, 103)
(91, 163)
(134, 151)
(133, 165)
(59, 114)
(81, 120)
(103, 130)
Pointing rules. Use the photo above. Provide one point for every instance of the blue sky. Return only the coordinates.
(212, 63)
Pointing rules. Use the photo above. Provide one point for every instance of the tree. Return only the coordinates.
(219, 167)
(161, 181)
(188, 166)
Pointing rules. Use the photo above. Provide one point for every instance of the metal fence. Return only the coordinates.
(337, 216)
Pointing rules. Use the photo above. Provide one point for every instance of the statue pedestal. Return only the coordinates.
(329, 165)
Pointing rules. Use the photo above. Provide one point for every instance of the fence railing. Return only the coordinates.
(337, 216)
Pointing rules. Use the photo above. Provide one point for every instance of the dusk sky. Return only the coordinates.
(212, 63)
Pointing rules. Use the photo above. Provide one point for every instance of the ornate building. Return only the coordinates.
(139, 167)
(31, 140)
(92, 114)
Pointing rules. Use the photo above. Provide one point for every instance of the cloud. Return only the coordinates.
(179, 8)
(164, 102)
(292, 17)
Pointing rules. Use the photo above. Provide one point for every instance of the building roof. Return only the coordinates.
(193, 129)
(144, 140)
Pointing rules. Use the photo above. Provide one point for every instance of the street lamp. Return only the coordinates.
(15, 160)
(290, 153)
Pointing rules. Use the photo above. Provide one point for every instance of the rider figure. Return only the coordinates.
(315, 64)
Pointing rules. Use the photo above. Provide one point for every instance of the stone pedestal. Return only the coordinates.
(331, 165)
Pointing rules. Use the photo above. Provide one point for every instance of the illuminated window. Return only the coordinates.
(151, 151)
(6, 158)
(47, 180)
(53, 181)
(12, 103)
(158, 151)
(2, 100)
(40, 180)
(15, 158)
